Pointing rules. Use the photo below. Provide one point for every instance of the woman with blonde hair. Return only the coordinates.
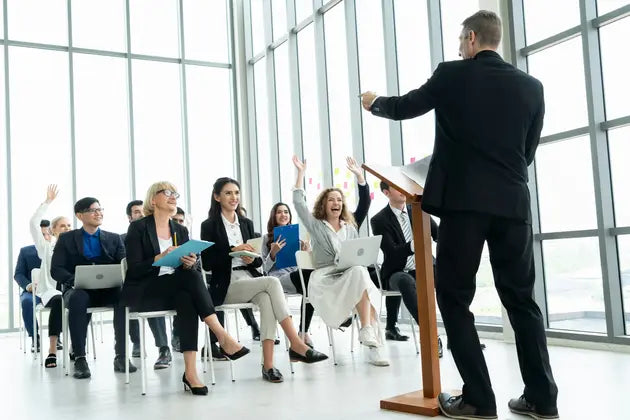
(333, 294)
(150, 288)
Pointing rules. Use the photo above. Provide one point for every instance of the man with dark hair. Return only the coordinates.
(489, 117)
(180, 216)
(158, 325)
(85, 246)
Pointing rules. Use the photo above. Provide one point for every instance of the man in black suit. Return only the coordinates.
(398, 271)
(86, 246)
(489, 116)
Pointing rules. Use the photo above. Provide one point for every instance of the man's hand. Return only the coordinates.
(29, 288)
(367, 98)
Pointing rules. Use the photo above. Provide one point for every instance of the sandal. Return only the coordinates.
(51, 361)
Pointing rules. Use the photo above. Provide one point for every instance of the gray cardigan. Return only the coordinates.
(323, 240)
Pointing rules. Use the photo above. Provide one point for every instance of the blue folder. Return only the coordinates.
(286, 256)
(172, 259)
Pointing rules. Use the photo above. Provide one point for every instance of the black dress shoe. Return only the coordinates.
(196, 390)
(346, 323)
(311, 356)
(440, 348)
(395, 335)
(164, 359)
(216, 353)
(81, 369)
(59, 345)
(255, 333)
(448, 346)
(119, 365)
(272, 375)
(236, 355)
(522, 406)
(457, 408)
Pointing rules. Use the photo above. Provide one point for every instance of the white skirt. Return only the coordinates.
(334, 295)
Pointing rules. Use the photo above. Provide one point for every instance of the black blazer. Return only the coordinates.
(142, 246)
(363, 205)
(68, 254)
(395, 248)
(27, 261)
(216, 258)
(488, 117)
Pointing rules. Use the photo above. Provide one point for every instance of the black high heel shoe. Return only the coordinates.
(236, 355)
(196, 390)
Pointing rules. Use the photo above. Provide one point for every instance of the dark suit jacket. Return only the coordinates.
(27, 260)
(488, 117)
(394, 245)
(216, 258)
(68, 254)
(141, 243)
(363, 205)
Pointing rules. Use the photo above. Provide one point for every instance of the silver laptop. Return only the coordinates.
(362, 251)
(103, 276)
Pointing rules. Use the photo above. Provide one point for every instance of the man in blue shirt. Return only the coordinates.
(86, 246)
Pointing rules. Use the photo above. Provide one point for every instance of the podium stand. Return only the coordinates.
(424, 401)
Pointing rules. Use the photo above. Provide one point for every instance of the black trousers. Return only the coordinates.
(510, 242)
(77, 302)
(54, 318)
(295, 279)
(186, 292)
(158, 329)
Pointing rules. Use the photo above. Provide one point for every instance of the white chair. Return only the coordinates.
(141, 317)
(21, 328)
(38, 312)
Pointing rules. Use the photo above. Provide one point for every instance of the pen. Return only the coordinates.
(175, 239)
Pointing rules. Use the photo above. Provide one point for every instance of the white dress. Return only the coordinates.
(334, 295)
(46, 286)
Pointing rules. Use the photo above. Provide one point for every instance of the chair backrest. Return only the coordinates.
(123, 268)
(304, 260)
(35, 276)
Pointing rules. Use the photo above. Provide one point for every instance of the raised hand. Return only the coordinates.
(354, 167)
(277, 246)
(301, 166)
(51, 193)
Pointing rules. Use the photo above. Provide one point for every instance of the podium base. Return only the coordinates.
(414, 403)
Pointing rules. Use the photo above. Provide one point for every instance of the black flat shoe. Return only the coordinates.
(196, 390)
(236, 355)
(311, 356)
(395, 335)
(119, 365)
(81, 369)
(272, 375)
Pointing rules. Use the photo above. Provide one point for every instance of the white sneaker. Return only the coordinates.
(367, 336)
(376, 358)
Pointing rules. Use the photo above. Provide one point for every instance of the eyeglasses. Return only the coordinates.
(94, 211)
(169, 193)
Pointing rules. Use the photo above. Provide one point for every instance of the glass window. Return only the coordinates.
(565, 192)
(258, 26)
(573, 279)
(102, 135)
(206, 30)
(285, 124)
(40, 137)
(486, 306)
(99, 25)
(38, 21)
(544, 19)
(303, 9)
(4, 248)
(210, 142)
(376, 139)
(414, 68)
(619, 149)
(157, 125)
(453, 14)
(623, 247)
(614, 68)
(311, 139)
(565, 92)
(339, 101)
(605, 6)
(279, 11)
(154, 29)
(265, 171)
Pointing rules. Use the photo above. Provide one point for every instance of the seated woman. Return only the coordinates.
(150, 288)
(237, 280)
(335, 295)
(45, 285)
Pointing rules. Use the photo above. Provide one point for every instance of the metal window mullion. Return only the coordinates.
(231, 16)
(73, 144)
(322, 95)
(436, 44)
(132, 154)
(601, 170)
(294, 80)
(7, 132)
(184, 104)
(391, 74)
(517, 37)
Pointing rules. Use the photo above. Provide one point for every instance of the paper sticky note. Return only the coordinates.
(336, 171)
(345, 185)
(348, 174)
(371, 196)
(310, 181)
(412, 160)
(319, 186)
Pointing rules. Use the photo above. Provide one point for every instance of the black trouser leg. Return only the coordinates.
(158, 329)
(405, 283)
(77, 302)
(134, 331)
(511, 256)
(295, 279)
(461, 239)
(392, 305)
(54, 318)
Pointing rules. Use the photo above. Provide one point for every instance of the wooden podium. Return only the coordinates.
(424, 401)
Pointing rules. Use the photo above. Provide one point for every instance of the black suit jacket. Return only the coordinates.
(68, 254)
(488, 117)
(394, 245)
(27, 260)
(141, 243)
(216, 258)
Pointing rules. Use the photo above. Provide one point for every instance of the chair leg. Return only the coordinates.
(331, 338)
(34, 329)
(66, 337)
(413, 330)
(93, 339)
(100, 321)
(142, 357)
(238, 332)
(127, 353)
(209, 356)
(41, 323)
(227, 317)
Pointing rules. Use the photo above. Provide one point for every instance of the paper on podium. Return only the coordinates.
(418, 170)
(408, 179)
(172, 259)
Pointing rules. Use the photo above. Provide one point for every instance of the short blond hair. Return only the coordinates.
(147, 207)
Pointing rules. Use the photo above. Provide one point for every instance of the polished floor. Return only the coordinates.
(593, 385)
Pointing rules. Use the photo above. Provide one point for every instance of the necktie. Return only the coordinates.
(406, 228)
